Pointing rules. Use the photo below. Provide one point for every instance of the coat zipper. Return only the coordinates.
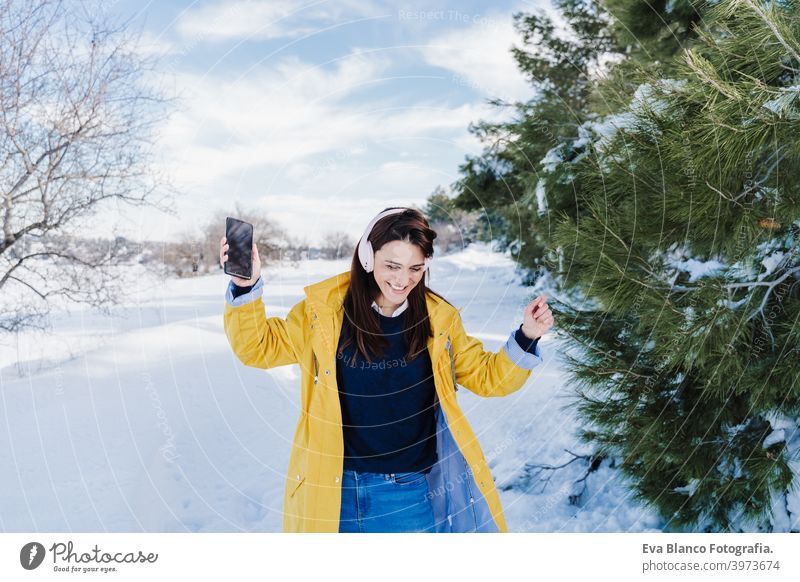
(452, 362)
(314, 355)
(471, 475)
(467, 468)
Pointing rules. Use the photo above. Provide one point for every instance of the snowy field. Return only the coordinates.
(144, 420)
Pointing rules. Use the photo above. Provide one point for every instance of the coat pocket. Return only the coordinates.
(449, 346)
(296, 485)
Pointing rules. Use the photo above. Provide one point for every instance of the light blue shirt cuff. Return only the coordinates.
(248, 297)
(520, 357)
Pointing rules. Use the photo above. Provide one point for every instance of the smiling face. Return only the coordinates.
(399, 266)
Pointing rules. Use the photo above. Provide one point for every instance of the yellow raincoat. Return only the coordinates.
(462, 489)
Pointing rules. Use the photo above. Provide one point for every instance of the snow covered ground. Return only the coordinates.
(144, 420)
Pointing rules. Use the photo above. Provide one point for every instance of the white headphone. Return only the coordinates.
(366, 255)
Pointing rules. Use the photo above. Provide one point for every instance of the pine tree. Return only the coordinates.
(684, 249)
(503, 181)
(518, 182)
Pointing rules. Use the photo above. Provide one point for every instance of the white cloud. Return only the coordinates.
(295, 114)
(271, 117)
(307, 144)
(479, 57)
(266, 19)
(322, 144)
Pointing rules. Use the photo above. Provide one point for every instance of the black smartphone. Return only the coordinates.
(239, 235)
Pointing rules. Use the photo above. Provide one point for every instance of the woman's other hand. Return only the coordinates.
(537, 318)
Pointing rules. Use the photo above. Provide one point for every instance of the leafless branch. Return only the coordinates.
(76, 127)
(543, 473)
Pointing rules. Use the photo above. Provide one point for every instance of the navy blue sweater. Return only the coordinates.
(388, 417)
(388, 420)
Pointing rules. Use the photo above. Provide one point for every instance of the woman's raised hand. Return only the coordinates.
(537, 318)
(223, 256)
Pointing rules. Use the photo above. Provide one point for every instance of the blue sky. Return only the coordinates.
(321, 113)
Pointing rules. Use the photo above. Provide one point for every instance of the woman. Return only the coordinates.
(381, 443)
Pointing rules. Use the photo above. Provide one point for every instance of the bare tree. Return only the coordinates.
(454, 234)
(455, 228)
(272, 240)
(337, 245)
(184, 257)
(76, 120)
(297, 249)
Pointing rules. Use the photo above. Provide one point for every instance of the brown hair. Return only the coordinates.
(361, 322)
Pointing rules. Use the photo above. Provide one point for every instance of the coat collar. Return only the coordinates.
(328, 295)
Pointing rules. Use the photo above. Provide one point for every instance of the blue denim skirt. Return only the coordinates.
(385, 502)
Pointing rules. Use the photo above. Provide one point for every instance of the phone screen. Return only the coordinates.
(240, 248)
